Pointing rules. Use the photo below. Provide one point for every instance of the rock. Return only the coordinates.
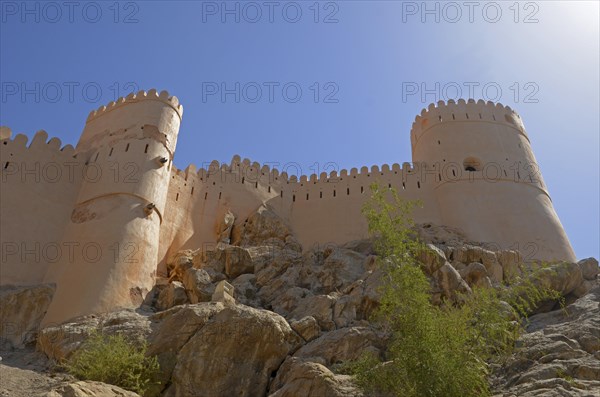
(470, 253)
(432, 258)
(180, 262)
(198, 285)
(364, 246)
(475, 274)
(589, 268)
(341, 345)
(175, 328)
(318, 306)
(307, 328)
(237, 261)
(90, 388)
(224, 293)
(59, 342)
(263, 227)
(341, 268)
(562, 277)
(233, 354)
(510, 261)
(245, 291)
(450, 283)
(21, 311)
(226, 227)
(559, 354)
(172, 295)
(297, 377)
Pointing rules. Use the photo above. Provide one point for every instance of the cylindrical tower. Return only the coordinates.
(489, 182)
(114, 227)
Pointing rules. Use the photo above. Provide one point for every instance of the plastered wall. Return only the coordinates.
(473, 169)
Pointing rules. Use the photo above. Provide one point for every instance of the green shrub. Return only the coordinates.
(115, 360)
(434, 350)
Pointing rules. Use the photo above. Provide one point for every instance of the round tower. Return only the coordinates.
(114, 227)
(489, 182)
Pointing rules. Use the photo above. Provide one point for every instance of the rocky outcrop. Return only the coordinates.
(59, 342)
(233, 354)
(558, 356)
(21, 311)
(297, 377)
(90, 389)
(263, 317)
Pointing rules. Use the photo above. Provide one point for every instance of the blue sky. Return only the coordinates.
(353, 62)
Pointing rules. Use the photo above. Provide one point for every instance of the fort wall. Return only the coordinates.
(39, 186)
(473, 169)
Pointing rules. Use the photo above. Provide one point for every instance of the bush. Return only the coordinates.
(434, 350)
(115, 360)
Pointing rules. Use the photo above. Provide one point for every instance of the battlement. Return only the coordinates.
(142, 95)
(40, 143)
(464, 111)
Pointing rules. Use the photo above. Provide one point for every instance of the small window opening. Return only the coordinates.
(177, 197)
(320, 194)
(307, 196)
(192, 193)
(127, 148)
(205, 195)
(294, 198)
(146, 149)
(334, 193)
(362, 189)
(111, 150)
(418, 184)
(220, 195)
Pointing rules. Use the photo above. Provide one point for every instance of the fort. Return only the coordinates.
(102, 219)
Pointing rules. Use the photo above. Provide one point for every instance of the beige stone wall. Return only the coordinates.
(473, 169)
(38, 187)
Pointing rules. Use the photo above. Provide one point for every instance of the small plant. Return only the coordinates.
(115, 360)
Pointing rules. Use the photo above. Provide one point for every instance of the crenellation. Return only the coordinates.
(472, 169)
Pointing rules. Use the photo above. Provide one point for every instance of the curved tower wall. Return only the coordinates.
(120, 207)
(491, 186)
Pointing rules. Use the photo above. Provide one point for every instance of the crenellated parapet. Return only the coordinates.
(464, 111)
(142, 95)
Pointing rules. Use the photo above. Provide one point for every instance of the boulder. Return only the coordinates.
(345, 344)
(88, 388)
(175, 328)
(471, 253)
(245, 291)
(198, 285)
(21, 311)
(318, 306)
(59, 342)
(297, 377)
(233, 354)
(307, 327)
(449, 282)
(431, 258)
(589, 268)
(171, 295)
(237, 261)
(475, 274)
(263, 227)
